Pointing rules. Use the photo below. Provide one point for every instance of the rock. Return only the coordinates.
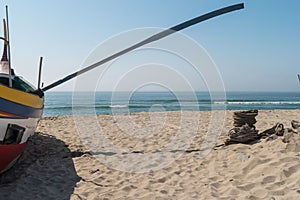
(295, 125)
(287, 137)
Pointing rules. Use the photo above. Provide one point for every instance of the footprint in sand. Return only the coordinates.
(291, 170)
(251, 165)
(247, 187)
(268, 179)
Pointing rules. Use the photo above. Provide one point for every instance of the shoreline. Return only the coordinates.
(60, 166)
(229, 110)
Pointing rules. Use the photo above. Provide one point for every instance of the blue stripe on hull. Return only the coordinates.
(20, 110)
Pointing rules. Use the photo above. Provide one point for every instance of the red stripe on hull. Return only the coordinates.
(8, 153)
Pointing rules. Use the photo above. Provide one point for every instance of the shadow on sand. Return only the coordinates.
(44, 171)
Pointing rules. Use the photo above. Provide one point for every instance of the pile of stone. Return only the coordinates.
(244, 117)
(244, 130)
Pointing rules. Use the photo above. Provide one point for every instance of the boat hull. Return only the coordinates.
(9, 155)
(19, 114)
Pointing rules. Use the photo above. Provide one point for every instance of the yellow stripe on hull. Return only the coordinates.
(20, 97)
(4, 115)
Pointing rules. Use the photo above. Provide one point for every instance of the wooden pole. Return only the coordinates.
(8, 46)
(40, 72)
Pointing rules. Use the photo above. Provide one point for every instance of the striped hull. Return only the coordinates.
(19, 115)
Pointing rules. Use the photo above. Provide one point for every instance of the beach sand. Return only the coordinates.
(154, 156)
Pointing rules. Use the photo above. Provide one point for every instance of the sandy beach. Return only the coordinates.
(149, 157)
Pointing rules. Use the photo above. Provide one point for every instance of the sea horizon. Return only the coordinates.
(107, 102)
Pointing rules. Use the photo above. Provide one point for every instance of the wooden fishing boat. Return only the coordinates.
(21, 105)
(20, 109)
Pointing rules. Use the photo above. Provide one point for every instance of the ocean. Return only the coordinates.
(64, 103)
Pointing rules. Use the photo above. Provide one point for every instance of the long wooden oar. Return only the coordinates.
(153, 38)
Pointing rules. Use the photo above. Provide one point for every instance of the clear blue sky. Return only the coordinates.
(256, 49)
